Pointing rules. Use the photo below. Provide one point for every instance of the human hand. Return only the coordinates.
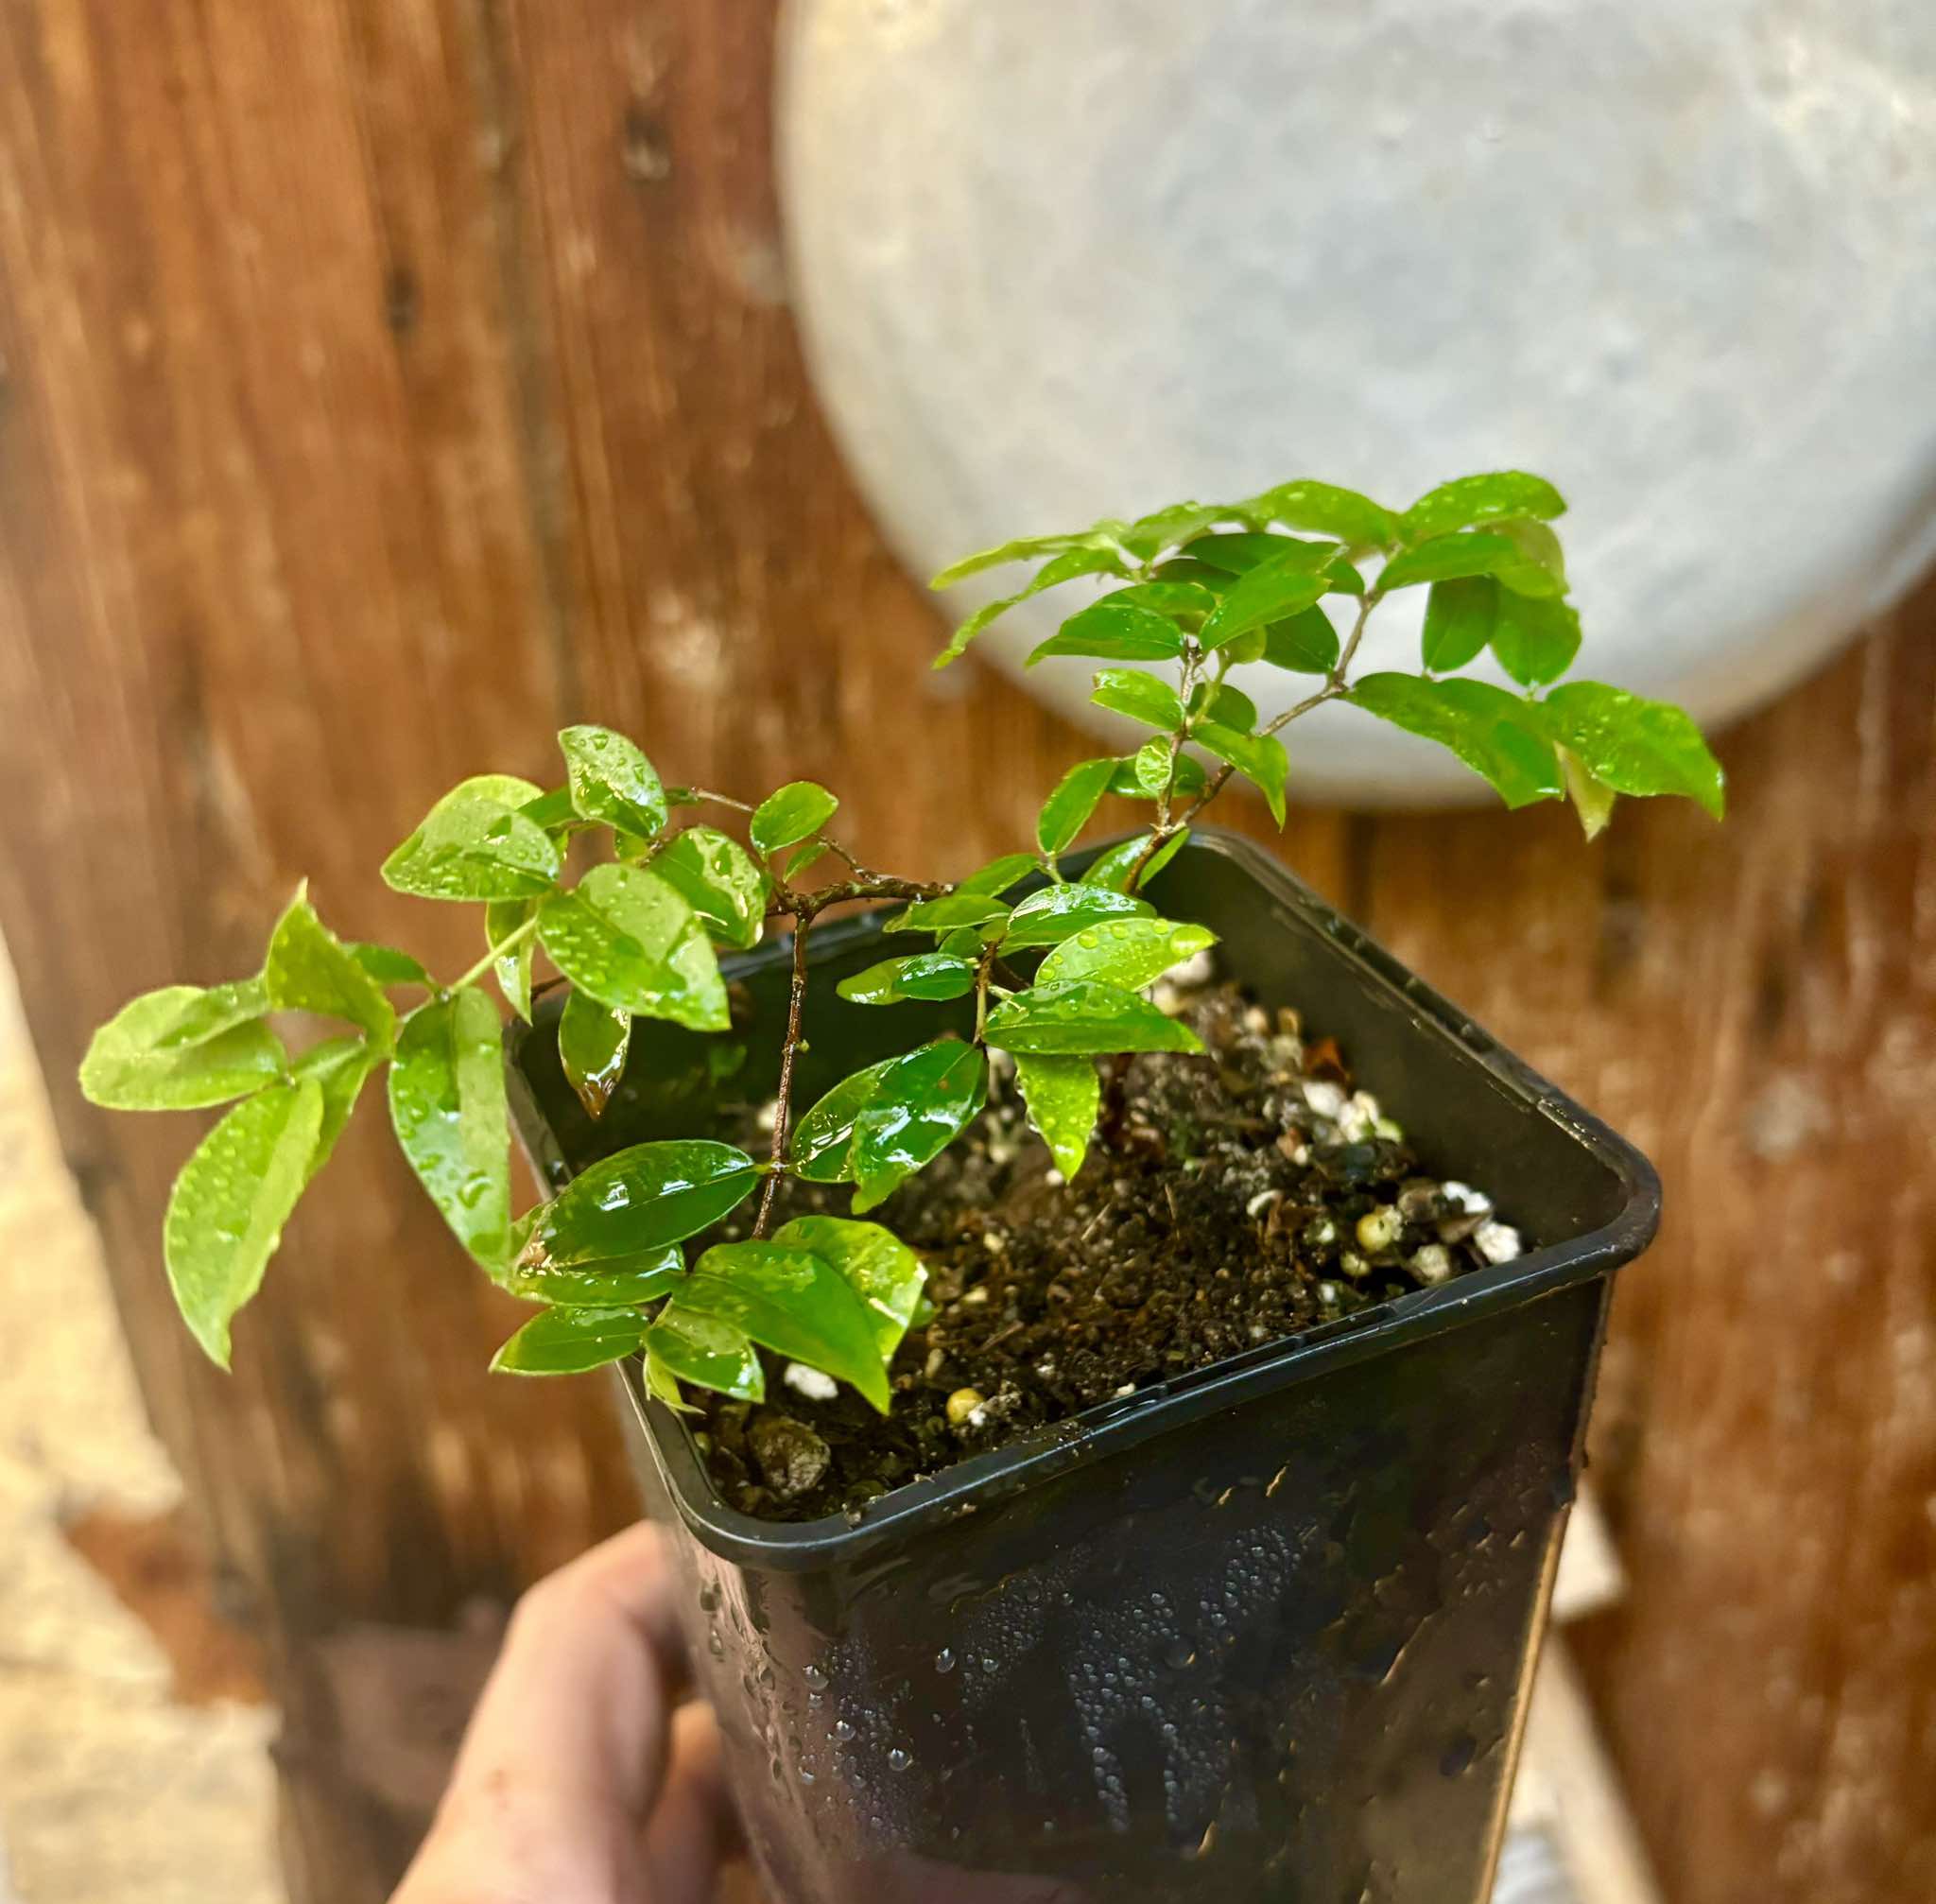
(580, 1780)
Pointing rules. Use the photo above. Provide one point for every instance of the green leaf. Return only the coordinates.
(1177, 523)
(662, 1384)
(1153, 764)
(1635, 745)
(809, 854)
(1106, 535)
(611, 781)
(1237, 553)
(1126, 780)
(919, 1105)
(309, 969)
(1534, 638)
(1114, 868)
(1066, 811)
(636, 1202)
(719, 881)
(822, 1149)
(1273, 590)
(341, 1066)
(799, 808)
(1259, 757)
(880, 1269)
(1592, 797)
(1459, 615)
(1065, 568)
(1085, 1015)
(999, 874)
(1166, 599)
(447, 1105)
(639, 1279)
(556, 811)
(1448, 558)
(476, 844)
(1480, 498)
(632, 942)
(1226, 704)
(512, 969)
(1115, 631)
(388, 967)
(1141, 695)
(569, 1341)
(792, 1302)
(592, 1043)
(1126, 952)
(1541, 566)
(706, 1351)
(927, 975)
(154, 1054)
(1493, 732)
(1323, 509)
(1049, 917)
(945, 913)
(229, 1204)
(1063, 1094)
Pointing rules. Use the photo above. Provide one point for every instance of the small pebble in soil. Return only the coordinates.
(815, 1386)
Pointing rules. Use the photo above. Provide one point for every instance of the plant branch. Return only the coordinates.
(790, 1050)
(510, 942)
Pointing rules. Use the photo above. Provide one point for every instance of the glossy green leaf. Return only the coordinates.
(628, 1280)
(636, 1202)
(1067, 810)
(1237, 552)
(226, 1213)
(1540, 565)
(1219, 701)
(476, 844)
(512, 969)
(1170, 599)
(592, 1043)
(556, 811)
(809, 854)
(880, 1269)
(719, 880)
(1285, 585)
(662, 1384)
(945, 913)
(1164, 527)
(569, 1341)
(182, 1048)
(919, 1105)
(1141, 695)
(1635, 745)
(1118, 865)
(1459, 615)
(1106, 535)
(1154, 765)
(792, 813)
(388, 967)
(1593, 799)
(611, 781)
(927, 975)
(793, 1302)
(447, 1105)
(1084, 1016)
(707, 1351)
(822, 1149)
(632, 942)
(1323, 509)
(1065, 567)
(309, 969)
(1049, 916)
(341, 1066)
(1132, 952)
(1492, 731)
(1115, 631)
(1259, 757)
(1480, 498)
(999, 874)
(1062, 1095)
(1189, 778)
(1449, 558)
(1534, 637)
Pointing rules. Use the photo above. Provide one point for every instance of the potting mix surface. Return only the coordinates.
(1228, 1199)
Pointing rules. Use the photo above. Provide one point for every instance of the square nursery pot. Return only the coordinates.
(1264, 1631)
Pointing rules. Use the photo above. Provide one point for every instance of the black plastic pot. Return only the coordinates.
(1262, 1632)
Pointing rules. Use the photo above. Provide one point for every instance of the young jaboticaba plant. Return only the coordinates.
(1201, 589)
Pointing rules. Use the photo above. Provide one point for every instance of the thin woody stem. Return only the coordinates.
(783, 1104)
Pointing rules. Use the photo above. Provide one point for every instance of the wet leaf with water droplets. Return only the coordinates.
(632, 942)
(229, 1204)
(1056, 912)
(707, 1351)
(639, 1279)
(719, 881)
(512, 969)
(613, 782)
(999, 874)
(638, 1201)
(792, 813)
(592, 1044)
(662, 1380)
(919, 1105)
(182, 1048)
(569, 1341)
(821, 1150)
(1084, 1015)
(448, 1106)
(1140, 694)
(309, 969)
(945, 913)
(1115, 867)
(1113, 631)
(342, 1067)
(1061, 1094)
(1126, 952)
(933, 975)
(1259, 757)
(476, 844)
(1067, 810)
(1500, 493)
(882, 1271)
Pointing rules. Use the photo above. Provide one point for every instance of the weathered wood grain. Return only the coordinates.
(388, 381)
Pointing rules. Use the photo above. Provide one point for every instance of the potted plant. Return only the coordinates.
(1164, 1509)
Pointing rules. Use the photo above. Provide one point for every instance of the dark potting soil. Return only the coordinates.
(1227, 1201)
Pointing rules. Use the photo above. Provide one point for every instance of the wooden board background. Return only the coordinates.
(384, 383)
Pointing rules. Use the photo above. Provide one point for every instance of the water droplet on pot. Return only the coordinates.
(899, 1761)
(715, 1645)
(945, 1660)
(841, 1731)
(816, 1678)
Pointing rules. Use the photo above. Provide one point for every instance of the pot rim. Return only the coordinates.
(1111, 1426)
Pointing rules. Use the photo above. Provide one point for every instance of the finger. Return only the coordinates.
(693, 1829)
(578, 1708)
